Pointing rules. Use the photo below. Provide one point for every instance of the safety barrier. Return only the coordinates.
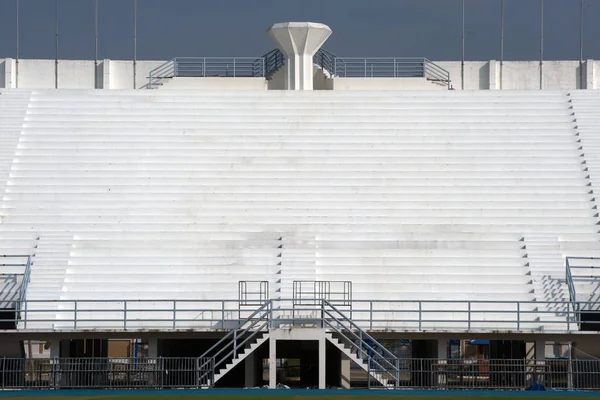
(155, 373)
(372, 315)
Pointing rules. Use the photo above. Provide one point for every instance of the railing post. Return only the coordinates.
(469, 316)
(125, 314)
(365, 68)
(204, 67)
(175, 67)
(174, 314)
(518, 316)
(24, 316)
(222, 314)
(234, 67)
(569, 316)
(420, 315)
(75, 315)
(54, 362)
(371, 315)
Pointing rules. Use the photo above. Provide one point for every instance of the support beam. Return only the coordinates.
(250, 370)
(106, 74)
(272, 363)
(494, 78)
(322, 362)
(153, 348)
(10, 73)
(345, 371)
(588, 75)
(299, 41)
(55, 348)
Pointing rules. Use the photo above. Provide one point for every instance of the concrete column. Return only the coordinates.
(105, 74)
(299, 41)
(588, 75)
(272, 363)
(55, 348)
(250, 370)
(540, 350)
(494, 78)
(322, 362)
(153, 348)
(10, 73)
(345, 371)
(442, 355)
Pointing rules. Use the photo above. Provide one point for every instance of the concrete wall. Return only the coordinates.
(213, 83)
(477, 75)
(385, 84)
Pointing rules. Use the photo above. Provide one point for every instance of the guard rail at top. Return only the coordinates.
(18, 261)
(271, 62)
(570, 278)
(245, 67)
(372, 315)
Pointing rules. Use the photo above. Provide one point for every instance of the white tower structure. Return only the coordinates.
(299, 41)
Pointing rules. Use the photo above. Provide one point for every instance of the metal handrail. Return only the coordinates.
(273, 61)
(269, 63)
(414, 315)
(25, 280)
(361, 338)
(233, 336)
(207, 67)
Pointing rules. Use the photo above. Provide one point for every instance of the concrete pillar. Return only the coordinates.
(322, 363)
(10, 73)
(588, 75)
(494, 75)
(345, 371)
(153, 348)
(105, 74)
(55, 348)
(250, 370)
(540, 350)
(272, 363)
(299, 41)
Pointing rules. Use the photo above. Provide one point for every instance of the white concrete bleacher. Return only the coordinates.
(410, 195)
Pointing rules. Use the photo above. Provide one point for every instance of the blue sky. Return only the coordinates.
(419, 28)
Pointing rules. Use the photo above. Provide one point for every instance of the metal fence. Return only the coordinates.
(12, 269)
(234, 67)
(268, 64)
(156, 373)
(417, 316)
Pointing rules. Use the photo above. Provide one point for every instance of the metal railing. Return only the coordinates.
(23, 262)
(379, 67)
(414, 373)
(229, 346)
(235, 67)
(571, 276)
(372, 315)
(271, 62)
(382, 363)
(274, 60)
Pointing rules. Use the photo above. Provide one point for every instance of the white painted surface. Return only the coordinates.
(76, 74)
(35, 74)
(118, 74)
(410, 195)
(299, 41)
(385, 84)
(212, 83)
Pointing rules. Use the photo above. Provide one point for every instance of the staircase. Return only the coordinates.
(351, 340)
(384, 378)
(234, 347)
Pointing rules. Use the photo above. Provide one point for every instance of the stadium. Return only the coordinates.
(299, 220)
